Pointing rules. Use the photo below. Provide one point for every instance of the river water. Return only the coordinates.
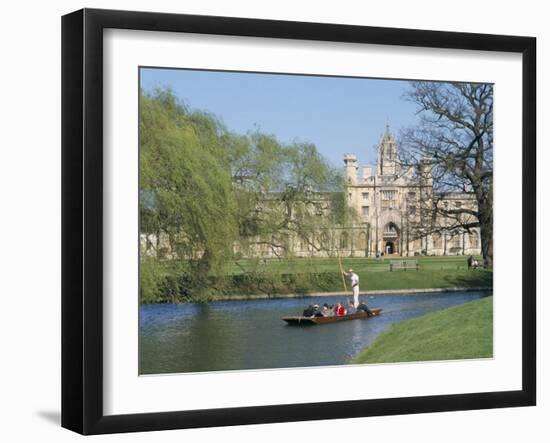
(233, 335)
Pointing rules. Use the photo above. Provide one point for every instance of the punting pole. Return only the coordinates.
(342, 273)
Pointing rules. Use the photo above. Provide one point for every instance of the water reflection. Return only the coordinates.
(251, 335)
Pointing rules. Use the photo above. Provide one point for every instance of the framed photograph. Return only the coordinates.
(269, 221)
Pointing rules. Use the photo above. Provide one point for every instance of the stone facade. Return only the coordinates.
(391, 200)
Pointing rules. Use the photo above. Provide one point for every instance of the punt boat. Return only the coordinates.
(304, 321)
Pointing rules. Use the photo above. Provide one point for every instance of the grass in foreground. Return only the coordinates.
(460, 332)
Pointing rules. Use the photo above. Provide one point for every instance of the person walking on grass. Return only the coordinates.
(354, 279)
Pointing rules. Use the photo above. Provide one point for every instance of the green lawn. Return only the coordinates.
(434, 272)
(424, 279)
(460, 332)
(361, 264)
(166, 280)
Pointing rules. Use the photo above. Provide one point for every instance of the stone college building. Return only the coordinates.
(395, 207)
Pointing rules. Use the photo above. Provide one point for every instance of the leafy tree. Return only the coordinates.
(185, 185)
(287, 193)
(206, 193)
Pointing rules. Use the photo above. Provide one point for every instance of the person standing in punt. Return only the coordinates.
(354, 279)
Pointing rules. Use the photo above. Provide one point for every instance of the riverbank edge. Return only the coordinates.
(382, 292)
(359, 358)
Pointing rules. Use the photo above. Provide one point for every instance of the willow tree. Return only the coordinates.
(287, 193)
(206, 193)
(185, 184)
(453, 146)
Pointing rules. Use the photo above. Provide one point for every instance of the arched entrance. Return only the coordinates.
(391, 236)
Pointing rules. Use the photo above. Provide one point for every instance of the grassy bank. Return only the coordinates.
(360, 264)
(307, 276)
(434, 272)
(424, 279)
(461, 332)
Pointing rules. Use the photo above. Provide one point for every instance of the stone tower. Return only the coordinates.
(350, 162)
(388, 159)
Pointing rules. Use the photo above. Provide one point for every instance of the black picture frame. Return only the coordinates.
(82, 218)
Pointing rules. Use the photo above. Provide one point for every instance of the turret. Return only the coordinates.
(388, 161)
(350, 165)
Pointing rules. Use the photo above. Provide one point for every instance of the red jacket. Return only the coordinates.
(340, 310)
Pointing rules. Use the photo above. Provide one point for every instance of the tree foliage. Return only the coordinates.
(185, 185)
(208, 195)
(287, 193)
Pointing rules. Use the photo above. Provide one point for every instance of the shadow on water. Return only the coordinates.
(236, 335)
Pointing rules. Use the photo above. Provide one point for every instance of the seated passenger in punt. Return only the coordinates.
(309, 311)
(351, 308)
(362, 307)
(312, 311)
(340, 310)
(327, 311)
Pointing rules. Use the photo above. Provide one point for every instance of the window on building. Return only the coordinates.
(437, 241)
(456, 241)
(363, 241)
(454, 244)
(365, 196)
(344, 240)
(411, 195)
(365, 211)
(474, 240)
(388, 195)
(412, 210)
(458, 205)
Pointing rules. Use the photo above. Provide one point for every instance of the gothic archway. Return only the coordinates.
(391, 236)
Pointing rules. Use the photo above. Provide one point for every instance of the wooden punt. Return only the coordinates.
(304, 321)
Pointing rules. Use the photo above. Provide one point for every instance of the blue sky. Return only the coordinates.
(339, 115)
